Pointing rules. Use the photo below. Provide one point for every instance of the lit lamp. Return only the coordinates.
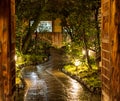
(77, 63)
(83, 52)
(15, 57)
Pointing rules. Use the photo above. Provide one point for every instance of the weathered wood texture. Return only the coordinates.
(7, 50)
(115, 48)
(53, 38)
(110, 50)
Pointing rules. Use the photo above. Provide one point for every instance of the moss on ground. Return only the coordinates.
(90, 77)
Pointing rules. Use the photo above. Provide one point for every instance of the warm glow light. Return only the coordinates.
(15, 57)
(75, 88)
(77, 63)
(33, 75)
(83, 52)
(91, 53)
(69, 45)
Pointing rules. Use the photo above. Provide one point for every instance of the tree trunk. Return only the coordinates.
(28, 36)
(98, 53)
(86, 50)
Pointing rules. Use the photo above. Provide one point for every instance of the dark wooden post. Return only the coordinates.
(106, 52)
(7, 50)
(115, 49)
(110, 50)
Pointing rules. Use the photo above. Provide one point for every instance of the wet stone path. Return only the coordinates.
(49, 84)
(46, 83)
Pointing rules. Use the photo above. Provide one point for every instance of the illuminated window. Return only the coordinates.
(43, 26)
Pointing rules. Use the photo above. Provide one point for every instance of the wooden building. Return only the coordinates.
(7, 50)
(110, 50)
(53, 36)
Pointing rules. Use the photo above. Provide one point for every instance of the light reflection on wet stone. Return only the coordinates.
(53, 85)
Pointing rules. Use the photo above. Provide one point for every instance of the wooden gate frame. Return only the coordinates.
(7, 50)
(110, 50)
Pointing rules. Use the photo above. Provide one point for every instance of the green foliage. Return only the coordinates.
(74, 49)
(79, 24)
(90, 77)
(70, 68)
(92, 60)
(77, 19)
(28, 58)
(33, 58)
(93, 81)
